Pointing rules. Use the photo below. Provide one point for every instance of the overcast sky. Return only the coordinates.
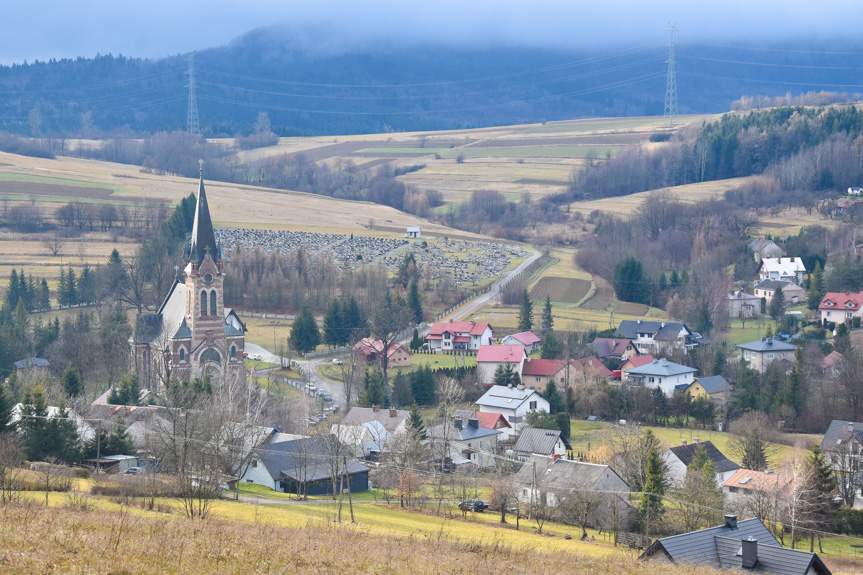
(43, 29)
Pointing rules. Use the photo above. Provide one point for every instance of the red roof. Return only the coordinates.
(370, 346)
(846, 301)
(461, 339)
(593, 365)
(490, 420)
(526, 337)
(831, 359)
(640, 360)
(500, 353)
(457, 327)
(541, 367)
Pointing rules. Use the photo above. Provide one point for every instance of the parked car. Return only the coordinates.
(337, 361)
(245, 355)
(255, 356)
(312, 388)
(134, 471)
(327, 397)
(335, 408)
(477, 505)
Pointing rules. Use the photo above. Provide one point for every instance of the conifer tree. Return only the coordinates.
(402, 393)
(118, 442)
(651, 509)
(44, 296)
(816, 287)
(333, 325)
(547, 324)
(372, 388)
(777, 304)
(415, 302)
(71, 383)
(525, 312)
(305, 335)
(415, 422)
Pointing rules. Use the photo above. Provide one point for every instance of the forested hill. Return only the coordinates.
(381, 87)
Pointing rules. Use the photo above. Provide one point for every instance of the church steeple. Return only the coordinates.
(203, 239)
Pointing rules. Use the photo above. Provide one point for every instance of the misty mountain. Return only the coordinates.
(315, 86)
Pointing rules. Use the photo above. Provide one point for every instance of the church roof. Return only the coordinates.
(203, 235)
(183, 332)
(168, 322)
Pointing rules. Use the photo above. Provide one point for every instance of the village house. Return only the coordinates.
(633, 362)
(371, 351)
(587, 371)
(611, 348)
(762, 248)
(747, 490)
(838, 307)
(528, 339)
(740, 546)
(786, 269)
(489, 357)
(831, 364)
(413, 232)
(715, 388)
(536, 373)
(855, 191)
(513, 403)
(679, 457)
(661, 374)
(761, 353)
(651, 337)
(367, 440)
(791, 292)
(393, 420)
(494, 421)
(843, 445)
(469, 443)
(548, 481)
(534, 441)
(744, 305)
(459, 336)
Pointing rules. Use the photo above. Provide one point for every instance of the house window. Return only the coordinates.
(203, 302)
(533, 405)
(769, 356)
(660, 380)
(182, 354)
(213, 302)
(650, 379)
(733, 489)
(537, 378)
(254, 463)
(233, 352)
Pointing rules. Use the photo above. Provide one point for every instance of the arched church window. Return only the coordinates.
(203, 302)
(182, 354)
(213, 302)
(211, 355)
(233, 352)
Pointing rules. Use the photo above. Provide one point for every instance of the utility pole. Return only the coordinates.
(98, 444)
(192, 124)
(671, 76)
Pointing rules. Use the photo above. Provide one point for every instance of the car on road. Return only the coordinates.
(337, 361)
(311, 387)
(245, 354)
(134, 471)
(255, 356)
(335, 408)
(476, 505)
(326, 397)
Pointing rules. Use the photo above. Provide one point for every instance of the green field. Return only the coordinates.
(419, 151)
(11, 177)
(532, 152)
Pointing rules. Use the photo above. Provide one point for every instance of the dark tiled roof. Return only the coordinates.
(685, 453)
(838, 433)
(539, 441)
(302, 460)
(203, 236)
(31, 362)
(767, 344)
(563, 474)
(714, 384)
(771, 285)
(661, 331)
(771, 558)
(699, 547)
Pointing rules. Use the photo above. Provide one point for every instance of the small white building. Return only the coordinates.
(854, 191)
(678, 458)
(528, 339)
(787, 269)
(663, 374)
(490, 357)
(413, 232)
(513, 403)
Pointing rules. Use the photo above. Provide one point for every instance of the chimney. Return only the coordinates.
(458, 424)
(731, 521)
(473, 423)
(394, 413)
(684, 442)
(555, 457)
(376, 408)
(750, 553)
(450, 320)
(695, 441)
(792, 260)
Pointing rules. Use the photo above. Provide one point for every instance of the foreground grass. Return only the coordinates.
(241, 538)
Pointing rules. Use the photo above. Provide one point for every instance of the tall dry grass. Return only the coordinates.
(36, 539)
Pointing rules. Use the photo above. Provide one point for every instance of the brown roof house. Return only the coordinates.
(372, 351)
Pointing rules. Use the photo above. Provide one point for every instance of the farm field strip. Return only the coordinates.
(608, 124)
(580, 151)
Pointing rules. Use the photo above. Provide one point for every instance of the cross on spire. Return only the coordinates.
(201, 167)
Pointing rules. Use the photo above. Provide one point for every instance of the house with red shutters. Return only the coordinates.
(459, 336)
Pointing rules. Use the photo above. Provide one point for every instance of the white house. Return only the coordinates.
(651, 337)
(413, 232)
(535, 441)
(489, 357)
(787, 269)
(663, 374)
(854, 191)
(838, 307)
(469, 442)
(528, 339)
(513, 403)
(459, 336)
(679, 457)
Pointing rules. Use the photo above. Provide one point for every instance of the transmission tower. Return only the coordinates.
(192, 124)
(671, 77)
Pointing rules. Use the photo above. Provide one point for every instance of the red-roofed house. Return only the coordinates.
(371, 350)
(490, 356)
(528, 339)
(609, 347)
(536, 373)
(831, 365)
(837, 307)
(459, 336)
(588, 370)
(634, 362)
(494, 421)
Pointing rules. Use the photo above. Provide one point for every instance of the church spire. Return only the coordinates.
(203, 239)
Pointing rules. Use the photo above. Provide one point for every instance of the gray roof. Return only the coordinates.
(361, 415)
(714, 384)
(203, 238)
(31, 362)
(771, 285)
(505, 397)
(305, 459)
(699, 547)
(767, 344)
(467, 432)
(839, 432)
(661, 330)
(562, 474)
(771, 558)
(685, 453)
(661, 367)
(165, 323)
(539, 441)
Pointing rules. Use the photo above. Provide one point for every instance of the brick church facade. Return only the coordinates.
(192, 334)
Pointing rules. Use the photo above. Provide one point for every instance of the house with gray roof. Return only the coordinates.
(761, 353)
(513, 403)
(791, 292)
(534, 441)
(743, 305)
(393, 420)
(468, 442)
(653, 337)
(551, 480)
(843, 446)
(762, 248)
(738, 545)
(715, 388)
(679, 457)
(304, 466)
(661, 374)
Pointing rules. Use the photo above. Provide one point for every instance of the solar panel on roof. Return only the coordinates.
(745, 480)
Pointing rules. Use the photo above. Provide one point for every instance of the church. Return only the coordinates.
(192, 334)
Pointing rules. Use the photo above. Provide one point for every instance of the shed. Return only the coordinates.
(413, 232)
